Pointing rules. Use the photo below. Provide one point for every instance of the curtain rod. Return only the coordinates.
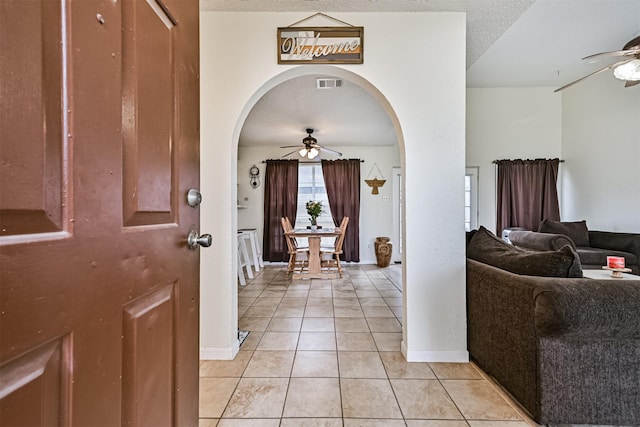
(496, 161)
(361, 161)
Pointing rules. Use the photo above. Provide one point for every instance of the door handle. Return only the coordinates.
(193, 240)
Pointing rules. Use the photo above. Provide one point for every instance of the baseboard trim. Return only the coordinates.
(436, 356)
(213, 353)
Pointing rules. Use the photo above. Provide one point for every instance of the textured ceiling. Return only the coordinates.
(344, 116)
(510, 43)
(545, 45)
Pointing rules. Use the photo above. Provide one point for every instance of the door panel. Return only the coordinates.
(100, 137)
(148, 76)
(32, 387)
(148, 355)
(30, 123)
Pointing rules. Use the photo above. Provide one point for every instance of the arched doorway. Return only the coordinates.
(249, 215)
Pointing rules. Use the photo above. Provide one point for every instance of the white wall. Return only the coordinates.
(509, 123)
(592, 126)
(376, 214)
(402, 67)
(601, 143)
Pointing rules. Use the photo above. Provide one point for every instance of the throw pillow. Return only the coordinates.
(487, 248)
(576, 231)
(470, 235)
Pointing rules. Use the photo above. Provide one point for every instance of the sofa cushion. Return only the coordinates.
(576, 231)
(596, 256)
(540, 241)
(470, 235)
(487, 248)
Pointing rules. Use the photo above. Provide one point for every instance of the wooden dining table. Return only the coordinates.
(315, 263)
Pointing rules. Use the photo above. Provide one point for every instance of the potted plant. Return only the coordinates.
(314, 210)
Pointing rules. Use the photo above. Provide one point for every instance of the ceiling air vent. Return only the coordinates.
(330, 83)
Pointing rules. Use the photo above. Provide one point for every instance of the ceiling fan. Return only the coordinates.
(627, 69)
(311, 147)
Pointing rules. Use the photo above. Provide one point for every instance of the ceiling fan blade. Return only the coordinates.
(291, 146)
(628, 52)
(320, 147)
(608, 67)
(630, 83)
(288, 154)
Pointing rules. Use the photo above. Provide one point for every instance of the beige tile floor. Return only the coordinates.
(327, 353)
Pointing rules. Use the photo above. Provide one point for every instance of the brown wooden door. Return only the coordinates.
(99, 144)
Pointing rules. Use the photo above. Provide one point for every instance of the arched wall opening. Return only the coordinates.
(428, 105)
(296, 87)
(277, 115)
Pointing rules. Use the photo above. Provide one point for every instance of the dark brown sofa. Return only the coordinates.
(566, 348)
(592, 247)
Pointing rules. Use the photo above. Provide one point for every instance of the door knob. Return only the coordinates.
(193, 240)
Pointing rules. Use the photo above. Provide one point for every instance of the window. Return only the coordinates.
(311, 187)
(471, 198)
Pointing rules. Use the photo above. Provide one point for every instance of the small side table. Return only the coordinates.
(606, 274)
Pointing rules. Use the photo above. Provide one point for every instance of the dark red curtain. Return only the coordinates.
(280, 200)
(342, 180)
(527, 193)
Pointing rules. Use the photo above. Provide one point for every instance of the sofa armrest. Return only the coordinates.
(501, 331)
(515, 323)
(623, 242)
(540, 241)
(588, 308)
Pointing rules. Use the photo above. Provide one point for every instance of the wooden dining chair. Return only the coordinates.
(287, 224)
(336, 250)
(331, 247)
(293, 249)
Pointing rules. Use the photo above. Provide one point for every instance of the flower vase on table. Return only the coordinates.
(314, 210)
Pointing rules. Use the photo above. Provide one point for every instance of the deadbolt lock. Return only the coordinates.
(194, 198)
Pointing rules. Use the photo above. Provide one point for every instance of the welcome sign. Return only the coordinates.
(320, 45)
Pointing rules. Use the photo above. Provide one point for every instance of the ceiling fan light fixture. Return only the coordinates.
(628, 71)
(311, 148)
